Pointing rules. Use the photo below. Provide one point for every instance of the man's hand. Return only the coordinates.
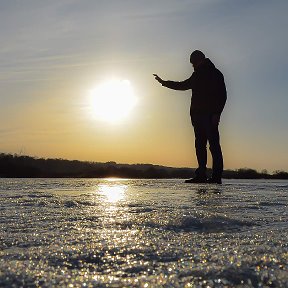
(158, 78)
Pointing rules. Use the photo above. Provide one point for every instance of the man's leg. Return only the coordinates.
(216, 152)
(200, 131)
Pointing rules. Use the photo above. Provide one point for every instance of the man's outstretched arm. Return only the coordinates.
(181, 85)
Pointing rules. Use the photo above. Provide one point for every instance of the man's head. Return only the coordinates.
(196, 58)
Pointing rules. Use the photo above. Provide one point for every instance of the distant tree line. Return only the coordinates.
(31, 167)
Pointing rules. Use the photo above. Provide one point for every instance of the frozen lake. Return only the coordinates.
(143, 233)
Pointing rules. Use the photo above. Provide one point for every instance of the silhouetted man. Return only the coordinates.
(208, 100)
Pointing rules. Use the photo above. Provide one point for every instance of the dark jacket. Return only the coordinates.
(208, 89)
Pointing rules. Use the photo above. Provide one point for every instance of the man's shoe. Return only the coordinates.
(214, 180)
(197, 180)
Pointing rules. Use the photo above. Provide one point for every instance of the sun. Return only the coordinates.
(112, 101)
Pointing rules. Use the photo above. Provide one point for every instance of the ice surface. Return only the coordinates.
(143, 233)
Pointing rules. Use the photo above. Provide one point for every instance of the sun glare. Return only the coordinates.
(113, 100)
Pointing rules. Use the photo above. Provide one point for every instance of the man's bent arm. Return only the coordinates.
(181, 85)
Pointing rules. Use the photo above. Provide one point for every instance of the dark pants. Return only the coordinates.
(206, 130)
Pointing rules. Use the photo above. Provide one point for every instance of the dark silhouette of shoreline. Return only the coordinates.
(19, 166)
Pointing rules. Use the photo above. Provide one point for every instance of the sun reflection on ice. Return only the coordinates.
(113, 192)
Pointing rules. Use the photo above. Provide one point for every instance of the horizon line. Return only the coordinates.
(263, 171)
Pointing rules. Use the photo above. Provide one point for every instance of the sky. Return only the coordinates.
(55, 57)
